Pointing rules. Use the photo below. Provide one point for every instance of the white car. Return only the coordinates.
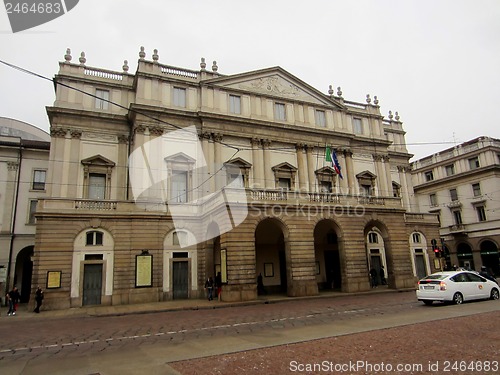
(456, 287)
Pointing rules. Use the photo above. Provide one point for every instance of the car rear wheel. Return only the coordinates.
(428, 303)
(494, 294)
(458, 298)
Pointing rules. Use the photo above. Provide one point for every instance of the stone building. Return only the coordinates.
(460, 185)
(24, 159)
(162, 178)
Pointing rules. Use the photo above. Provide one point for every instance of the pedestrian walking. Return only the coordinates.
(218, 285)
(38, 299)
(383, 281)
(373, 277)
(209, 286)
(13, 298)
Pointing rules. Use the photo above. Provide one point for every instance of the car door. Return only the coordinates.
(463, 286)
(479, 286)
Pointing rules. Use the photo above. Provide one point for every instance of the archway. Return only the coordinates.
(327, 255)
(270, 255)
(490, 257)
(378, 267)
(464, 254)
(24, 272)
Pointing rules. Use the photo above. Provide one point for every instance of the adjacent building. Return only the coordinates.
(24, 159)
(461, 185)
(162, 178)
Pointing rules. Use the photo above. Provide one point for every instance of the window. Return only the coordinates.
(429, 176)
(97, 186)
(179, 186)
(474, 163)
(372, 237)
(357, 126)
(366, 190)
(481, 213)
(179, 97)
(94, 238)
(325, 186)
(39, 180)
(433, 200)
(236, 180)
(179, 238)
(284, 183)
(235, 104)
(416, 238)
(453, 194)
(279, 112)
(396, 190)
(457, 216)
(476, 190)
(320, 118)
(102, 99)
(31, 215)
(450, 170)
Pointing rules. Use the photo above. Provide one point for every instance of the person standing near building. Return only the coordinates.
(38, 299)
(209, 286)
(218, 285)
(13, 298)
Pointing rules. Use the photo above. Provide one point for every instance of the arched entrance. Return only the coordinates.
(376, 256)
(327, 255)
(490, 257)
(270, 256)
(464, 254)
(24, 271)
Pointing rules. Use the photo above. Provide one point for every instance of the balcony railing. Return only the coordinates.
(95, 205)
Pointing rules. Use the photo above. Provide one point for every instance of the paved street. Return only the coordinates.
(82, 344)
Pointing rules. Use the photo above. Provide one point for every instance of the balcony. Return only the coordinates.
(457, 229)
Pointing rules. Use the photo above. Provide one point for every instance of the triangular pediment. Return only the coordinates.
(284, 167)
(274, 82)
(237, 162)
(180, 157)
(326, 170)
(98, 160)
(366, 175)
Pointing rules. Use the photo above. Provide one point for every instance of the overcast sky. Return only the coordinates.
(435, 62)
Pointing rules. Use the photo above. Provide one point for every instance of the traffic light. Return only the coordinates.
(435, 247)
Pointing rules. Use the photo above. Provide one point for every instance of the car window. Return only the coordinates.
(475, 278)
(436, 276)
(460, 278)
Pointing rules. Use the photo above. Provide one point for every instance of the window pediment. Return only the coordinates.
(98, 160)
(237, 163)
(284, 167)
(366, 175)
(180, 157)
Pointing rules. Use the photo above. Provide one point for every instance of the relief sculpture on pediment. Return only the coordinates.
(273, 85)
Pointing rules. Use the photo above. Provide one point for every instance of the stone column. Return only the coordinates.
(344, 187)
(404, 187)
(387, 165)
(313, 186)
(350, 172)
(210, 161)
(205, 137)
(219, 177)
(268, 173)
(381, 179)
(257, 166)
(302, 167)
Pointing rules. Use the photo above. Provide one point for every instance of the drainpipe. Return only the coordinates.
(14, 214)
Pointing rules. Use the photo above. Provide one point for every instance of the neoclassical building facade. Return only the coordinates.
(162, 178)
(460, 185)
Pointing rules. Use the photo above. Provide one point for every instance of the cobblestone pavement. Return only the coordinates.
(74, 336)
(465, 345)
(67, 341)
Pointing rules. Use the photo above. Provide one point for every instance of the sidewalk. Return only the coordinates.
(25, 310)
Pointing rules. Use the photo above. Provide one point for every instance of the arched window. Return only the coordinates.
(94, 238)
